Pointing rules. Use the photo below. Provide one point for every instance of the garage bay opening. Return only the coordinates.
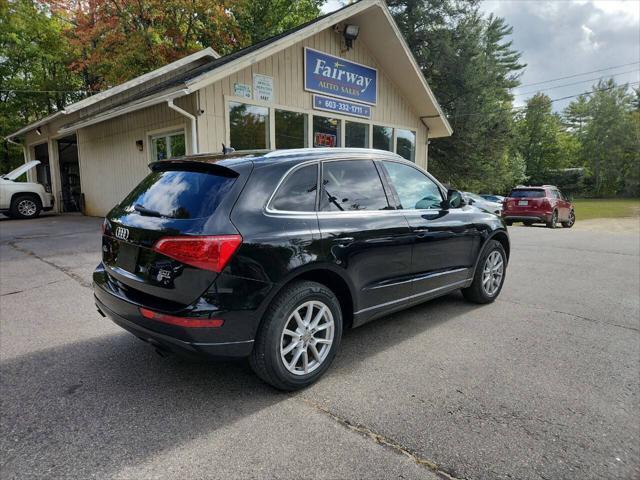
(70, 191)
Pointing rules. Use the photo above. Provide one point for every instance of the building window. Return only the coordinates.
(383, 138)
(406, 144)
(326, 132)
(291, 129)
(168, 145)
(356, 135)
(249, 126)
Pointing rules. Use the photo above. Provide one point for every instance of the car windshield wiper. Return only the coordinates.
(146, 211)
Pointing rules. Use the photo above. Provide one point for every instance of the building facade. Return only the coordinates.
(312, 86)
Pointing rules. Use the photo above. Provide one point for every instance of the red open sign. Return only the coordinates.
(324, 140)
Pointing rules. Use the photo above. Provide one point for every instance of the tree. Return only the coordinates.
(34, 76)
(540, 137)
(469, 63)
(117, 40)
(611, 146)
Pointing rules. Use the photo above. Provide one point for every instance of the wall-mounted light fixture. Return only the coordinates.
(350, 33)
(38, 131)
(139, 144)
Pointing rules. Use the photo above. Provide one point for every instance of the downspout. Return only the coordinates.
(194, 126)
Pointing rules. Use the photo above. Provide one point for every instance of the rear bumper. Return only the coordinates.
(172, 344)
(233, 339)
(541, 217)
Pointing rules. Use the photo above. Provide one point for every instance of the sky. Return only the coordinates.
(560, 38)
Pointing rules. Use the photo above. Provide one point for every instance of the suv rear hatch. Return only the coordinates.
(166, 242)
(526, 199)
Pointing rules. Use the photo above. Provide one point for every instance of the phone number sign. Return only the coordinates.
(329, 104)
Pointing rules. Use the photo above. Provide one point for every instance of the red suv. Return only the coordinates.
(545, 204)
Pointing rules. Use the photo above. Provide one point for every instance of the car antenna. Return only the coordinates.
(226, 150)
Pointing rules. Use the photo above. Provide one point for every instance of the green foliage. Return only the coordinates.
(471, 66)
(33, 58)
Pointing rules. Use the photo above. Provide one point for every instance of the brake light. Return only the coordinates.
(206, 252)
(181, 321)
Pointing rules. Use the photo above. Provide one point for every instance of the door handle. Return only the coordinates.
(344, 241)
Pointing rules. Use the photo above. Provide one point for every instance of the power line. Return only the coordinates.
(577, 74)
(553, 100)
(575, 83)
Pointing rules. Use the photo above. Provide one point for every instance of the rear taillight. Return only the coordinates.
(181, 321)
(206, 252)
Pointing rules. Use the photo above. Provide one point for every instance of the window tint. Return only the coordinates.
(298, 191)
(178, 194)
(291, 129)
(326, 131)
(406, 144)
(528, 193)
(356, 134)
(383, 138)
(352, 185)
(249, 126)
(415, 189)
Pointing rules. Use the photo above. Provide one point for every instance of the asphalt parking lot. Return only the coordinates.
(542, 384)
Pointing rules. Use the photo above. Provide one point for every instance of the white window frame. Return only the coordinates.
(166, 133)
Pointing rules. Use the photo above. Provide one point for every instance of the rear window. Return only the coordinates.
(178, 194)
(528, 193)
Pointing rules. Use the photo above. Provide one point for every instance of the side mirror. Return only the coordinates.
(454, 199)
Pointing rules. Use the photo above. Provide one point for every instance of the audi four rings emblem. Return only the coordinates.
(122, 233)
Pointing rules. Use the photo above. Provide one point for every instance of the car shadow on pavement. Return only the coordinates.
(93, 407)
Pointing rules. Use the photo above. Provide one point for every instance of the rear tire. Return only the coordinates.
(572, 220)
(489, 276)
(528, 223)
(287, 346)
(25, 206)
(508, 222)
(554, 220)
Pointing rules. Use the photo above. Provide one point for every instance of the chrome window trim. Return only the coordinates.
(330, 157)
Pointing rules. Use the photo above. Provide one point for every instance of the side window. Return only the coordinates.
(297, 193)
(351, 185)
(415, 189)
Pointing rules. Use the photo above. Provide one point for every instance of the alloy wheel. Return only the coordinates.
(492, 273)
(307, 337)
(27, 208)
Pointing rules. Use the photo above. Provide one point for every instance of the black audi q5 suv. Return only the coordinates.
(271, 255)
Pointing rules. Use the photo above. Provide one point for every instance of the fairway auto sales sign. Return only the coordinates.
(324, 73)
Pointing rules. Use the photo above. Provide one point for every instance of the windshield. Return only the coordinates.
(178, 194)
(527, 193)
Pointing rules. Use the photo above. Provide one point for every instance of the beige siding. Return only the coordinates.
(110, 162)
(287, 69)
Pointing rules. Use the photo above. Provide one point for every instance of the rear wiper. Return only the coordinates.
(146, 211)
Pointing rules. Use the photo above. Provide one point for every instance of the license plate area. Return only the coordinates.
(127, 258)
(523, 203)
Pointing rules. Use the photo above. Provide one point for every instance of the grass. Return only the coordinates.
(587, 208)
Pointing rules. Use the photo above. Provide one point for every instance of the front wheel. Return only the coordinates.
(489, 276)
(572, 219)
(299, 336)
(25, 206)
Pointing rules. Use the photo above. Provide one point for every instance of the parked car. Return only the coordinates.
(273, 255)
(23, 199)
(493, 198)
(479, 202)
(544, 204)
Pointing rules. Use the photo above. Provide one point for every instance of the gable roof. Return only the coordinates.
(203, 68)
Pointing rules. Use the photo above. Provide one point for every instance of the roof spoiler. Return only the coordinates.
(192, 166)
